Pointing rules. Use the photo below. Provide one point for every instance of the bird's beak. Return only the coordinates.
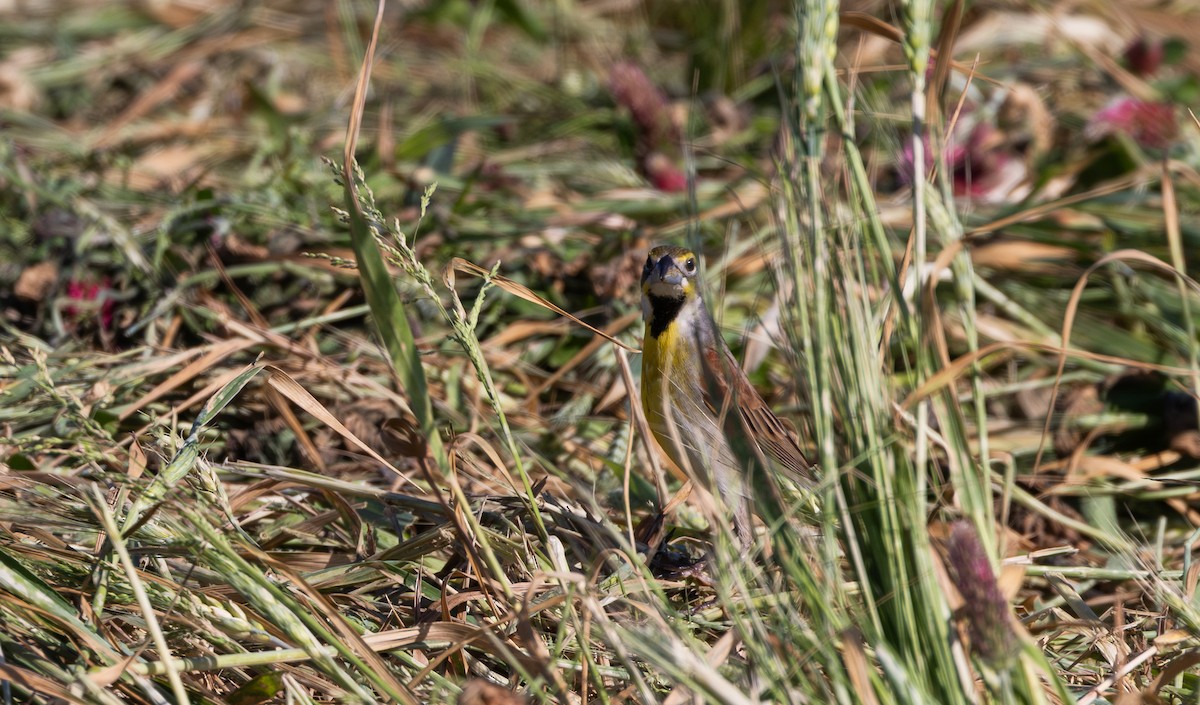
(668, 272)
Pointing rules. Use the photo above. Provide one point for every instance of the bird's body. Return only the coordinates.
(691, 384)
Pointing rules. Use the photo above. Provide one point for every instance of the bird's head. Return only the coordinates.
(670, 287)
(670, 273)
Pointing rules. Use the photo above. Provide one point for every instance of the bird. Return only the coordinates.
(690, 382)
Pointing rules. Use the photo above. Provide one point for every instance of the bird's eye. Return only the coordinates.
(649, 265)
(690, 265)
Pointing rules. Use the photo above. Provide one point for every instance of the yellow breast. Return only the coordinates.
(664, 359)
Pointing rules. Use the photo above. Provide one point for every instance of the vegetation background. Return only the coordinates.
(280, 430)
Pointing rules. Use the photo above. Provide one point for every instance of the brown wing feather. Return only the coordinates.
(773, 436)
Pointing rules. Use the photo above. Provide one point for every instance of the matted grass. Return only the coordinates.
(284, 422)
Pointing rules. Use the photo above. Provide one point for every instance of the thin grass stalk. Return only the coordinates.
(736, 584)
(590, 670)
(917, 43)
(403, 256)
(634, 578)
(39, 664)
(971, 475)
(930, 612)
(281, 609)
(681, 664)
(975, 485)
(349, 28)
(892, 512)
(179, 467)
(387, 309)
(464, 333)
(620, 641)
(389, 312)
(817, 30)
(821, 324)
(859, 375)
(248, 659)
(812, 272)
(886, 513)
(100, 507)
(815, 331)
(814, 576)
(855, 543)
(463, 326)
(862, 195)
(1175, 243)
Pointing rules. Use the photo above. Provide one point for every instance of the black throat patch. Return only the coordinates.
(663, 310)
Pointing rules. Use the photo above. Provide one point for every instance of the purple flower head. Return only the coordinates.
(974, 158)
(985, 609)
(651, 112)
(1144, 55)
(1150, 124)
(657, 135)
(86, 293)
